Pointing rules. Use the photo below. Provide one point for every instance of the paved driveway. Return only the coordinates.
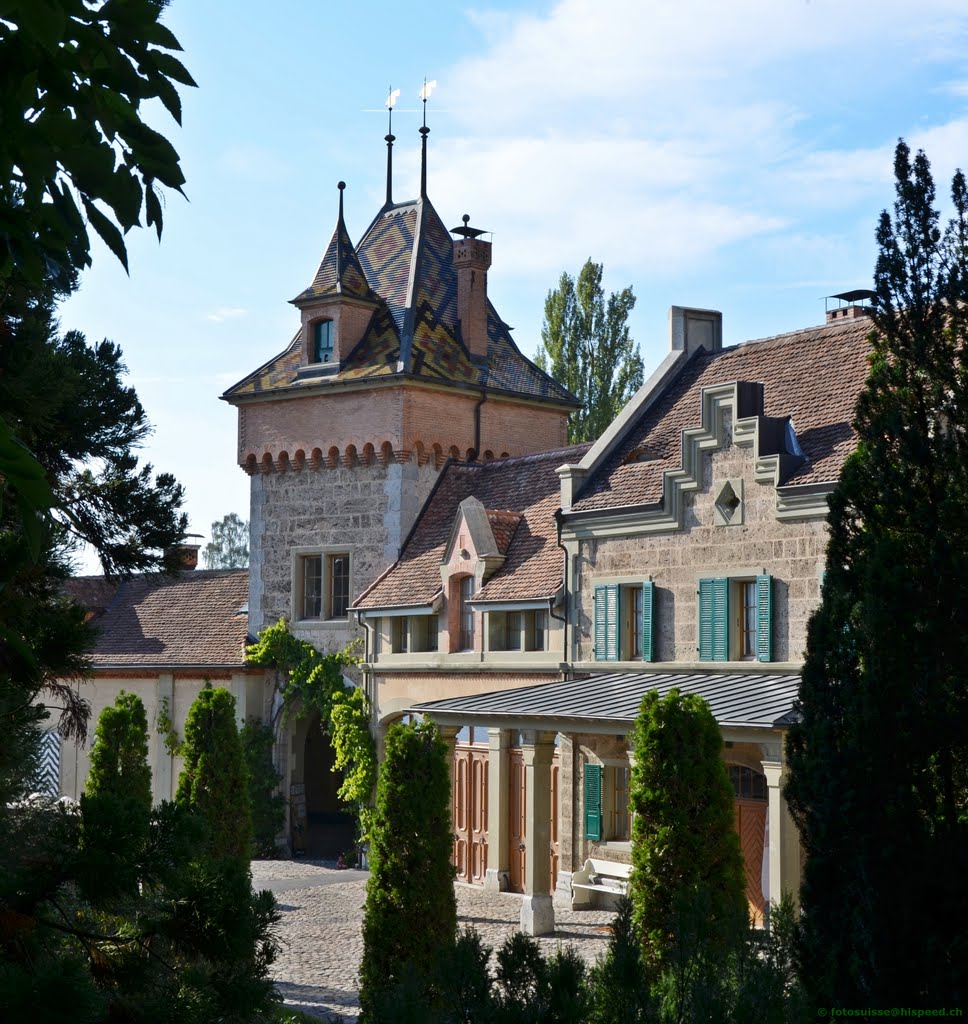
(322, 911)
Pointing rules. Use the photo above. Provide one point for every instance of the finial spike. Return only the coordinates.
(341, 185)
(424, 94)
(390, 138)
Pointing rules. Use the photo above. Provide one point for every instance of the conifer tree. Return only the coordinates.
(587, 347)
(879, 761)
(119, 758)
(688, 888)
(410, 915)
(213, 782)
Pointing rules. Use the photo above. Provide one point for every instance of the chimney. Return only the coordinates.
(690, 329)
(185, 555)
(472, 258)
(850, 305)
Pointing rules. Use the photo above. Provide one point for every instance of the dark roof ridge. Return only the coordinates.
(565, 453)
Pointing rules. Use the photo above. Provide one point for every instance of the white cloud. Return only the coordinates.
(224, 313)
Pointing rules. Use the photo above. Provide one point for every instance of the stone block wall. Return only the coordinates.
(366, 510)
(793, 552)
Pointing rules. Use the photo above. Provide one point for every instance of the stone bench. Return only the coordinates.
(599, 883)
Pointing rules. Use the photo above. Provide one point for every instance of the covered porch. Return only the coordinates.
(557, 762)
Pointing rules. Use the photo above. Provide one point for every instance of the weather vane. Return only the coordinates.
(428, 88)
(392, 95)
(424, 94)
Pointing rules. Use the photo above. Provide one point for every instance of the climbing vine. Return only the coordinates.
(314, 682)
(164, 726)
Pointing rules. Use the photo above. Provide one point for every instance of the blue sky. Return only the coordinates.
(732, 156)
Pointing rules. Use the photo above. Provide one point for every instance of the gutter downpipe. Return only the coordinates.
(564, 578)
(477, 425)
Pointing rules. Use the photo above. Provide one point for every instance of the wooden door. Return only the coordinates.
(751, 826)
(469, 806)
(478, 815)
(555, 767)
(517, 832)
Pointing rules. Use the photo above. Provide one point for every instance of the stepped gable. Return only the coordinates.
(521, 496)
(813, 376)
(197, 619)
(406, 257)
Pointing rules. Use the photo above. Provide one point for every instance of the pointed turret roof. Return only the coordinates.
(339, 271)
(406, 257)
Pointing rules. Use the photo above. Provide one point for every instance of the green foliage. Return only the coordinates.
(586, 346)
(164, 726)
(73, 77)
(119, 758)
(879, 761)
(685, 851)
(411, 875)
(268, 806)
(229, 546)
(213, 782)
(314, 682)
(619, 987)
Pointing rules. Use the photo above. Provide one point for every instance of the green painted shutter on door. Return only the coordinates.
(714, 619)
(593, 801)
(764, 618)
(648, 600)
(606, 622)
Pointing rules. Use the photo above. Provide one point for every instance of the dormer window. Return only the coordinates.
(466, 613)
(323, 341)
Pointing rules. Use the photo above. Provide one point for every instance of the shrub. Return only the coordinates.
(268, 806)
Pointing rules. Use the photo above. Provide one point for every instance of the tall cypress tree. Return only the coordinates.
(214, 781)
(879, 762)
(119, 758)
(410, 915)
(688, 889)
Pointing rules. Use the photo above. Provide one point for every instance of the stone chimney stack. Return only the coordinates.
(472, 258)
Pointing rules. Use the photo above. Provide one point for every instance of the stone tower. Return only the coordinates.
(400, 362)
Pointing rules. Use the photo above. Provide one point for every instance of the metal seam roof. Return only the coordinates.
(760, 700)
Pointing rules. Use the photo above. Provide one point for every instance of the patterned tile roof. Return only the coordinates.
(197, 619)
(339, 272)
(524, 488)
(813, 376)
(406, 257)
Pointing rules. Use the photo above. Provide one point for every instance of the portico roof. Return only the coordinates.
(610, 702)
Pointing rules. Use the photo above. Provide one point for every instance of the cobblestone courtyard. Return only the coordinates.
(322, 911)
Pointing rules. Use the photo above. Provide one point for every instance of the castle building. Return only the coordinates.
(400, 364)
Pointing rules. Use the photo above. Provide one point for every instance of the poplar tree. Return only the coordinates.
(688, 887)
(586, 346)
(879, 761)
(410, 915)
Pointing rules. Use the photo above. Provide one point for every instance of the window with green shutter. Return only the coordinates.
(606, 622)
(593, 801)
(736, 619)
(646, 620)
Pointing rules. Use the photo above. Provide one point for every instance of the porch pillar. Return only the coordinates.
(498, 855)
(448, 733)
(537, 912)
(784, 849)
(566, 822)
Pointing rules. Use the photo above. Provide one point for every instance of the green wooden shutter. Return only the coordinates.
(764, 618)
(648, 593)
(593, 801)
(606, 622)
(714, 619)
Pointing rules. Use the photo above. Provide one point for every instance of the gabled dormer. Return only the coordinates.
(478, 542)
(337, 307)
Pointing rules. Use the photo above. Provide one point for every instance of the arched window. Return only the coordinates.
(748, 784)
(323, 341)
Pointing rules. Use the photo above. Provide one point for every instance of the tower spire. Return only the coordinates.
(428, 88)
(392, 95)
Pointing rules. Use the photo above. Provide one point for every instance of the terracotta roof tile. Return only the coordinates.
(813, 376)
(196, 619)
(503, 525)
(525, 489)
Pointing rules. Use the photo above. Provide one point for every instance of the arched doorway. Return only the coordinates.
(329, 827)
